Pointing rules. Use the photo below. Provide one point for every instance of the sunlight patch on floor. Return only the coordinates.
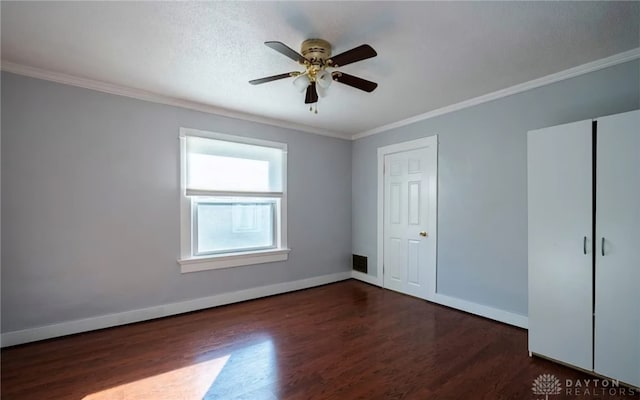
(190, 382)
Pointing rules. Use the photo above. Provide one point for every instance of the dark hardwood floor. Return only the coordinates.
(347, 340)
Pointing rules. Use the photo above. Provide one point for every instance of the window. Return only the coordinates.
(233, 201)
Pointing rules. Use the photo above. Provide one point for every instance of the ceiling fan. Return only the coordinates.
(316, 59)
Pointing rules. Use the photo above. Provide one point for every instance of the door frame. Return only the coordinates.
(429, 141)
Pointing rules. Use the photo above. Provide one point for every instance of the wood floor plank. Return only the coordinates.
(347, 340)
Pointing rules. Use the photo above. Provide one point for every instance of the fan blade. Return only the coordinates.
(312, 94)
(350, 56)
(354, 81)
(273, 78)
(287, 51)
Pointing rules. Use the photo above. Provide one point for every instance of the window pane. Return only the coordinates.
(229, 166)
(225, 226)
(226, 173)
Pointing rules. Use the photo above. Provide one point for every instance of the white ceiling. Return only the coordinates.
(430, 54)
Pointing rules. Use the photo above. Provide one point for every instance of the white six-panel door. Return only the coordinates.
(560, 192)
(617, 311)
(410, 184)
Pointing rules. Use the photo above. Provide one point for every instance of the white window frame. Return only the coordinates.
(190, 263)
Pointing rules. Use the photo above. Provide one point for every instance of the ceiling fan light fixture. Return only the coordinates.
(324, 79)
(301, 82)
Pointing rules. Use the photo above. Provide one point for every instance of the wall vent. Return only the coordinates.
(360, 263)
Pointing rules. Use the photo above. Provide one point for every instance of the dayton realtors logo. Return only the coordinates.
(546, 384)
(549, 385)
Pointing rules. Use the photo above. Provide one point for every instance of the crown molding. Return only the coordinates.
(556, 77)
(140, 94)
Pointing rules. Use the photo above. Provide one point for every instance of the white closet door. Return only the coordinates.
(410, 184)
(617, 329)
(560, 193)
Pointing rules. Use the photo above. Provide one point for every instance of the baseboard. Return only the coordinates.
(495, 314)
(127, 317)
(372, 280)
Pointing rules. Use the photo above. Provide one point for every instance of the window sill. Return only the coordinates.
(195, 264)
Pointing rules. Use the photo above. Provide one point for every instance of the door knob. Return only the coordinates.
(423, 233)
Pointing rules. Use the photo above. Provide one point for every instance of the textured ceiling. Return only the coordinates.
(430, 54)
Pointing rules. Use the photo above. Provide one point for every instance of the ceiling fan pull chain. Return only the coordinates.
(316, 108)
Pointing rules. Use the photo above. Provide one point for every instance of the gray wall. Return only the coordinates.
(482, 189)
(90, 197)
(90, 205)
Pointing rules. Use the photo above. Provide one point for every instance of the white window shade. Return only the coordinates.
(223, 166)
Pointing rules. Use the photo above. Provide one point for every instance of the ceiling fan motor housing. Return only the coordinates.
(317, 51)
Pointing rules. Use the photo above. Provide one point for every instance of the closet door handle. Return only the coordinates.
(602, 246)
(584, 245)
